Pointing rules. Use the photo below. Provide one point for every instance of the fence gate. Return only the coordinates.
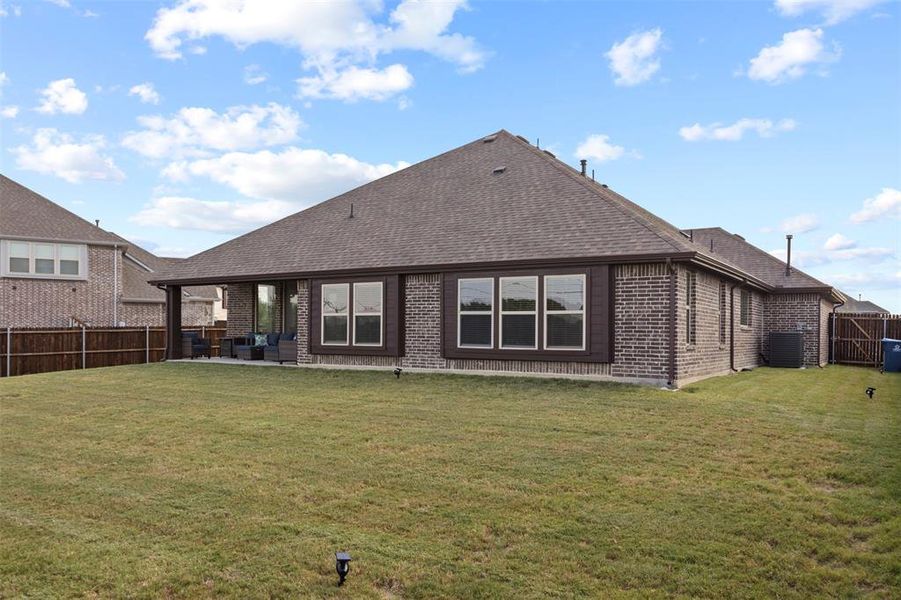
(856, 338)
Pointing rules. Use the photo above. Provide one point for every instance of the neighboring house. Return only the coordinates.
(220, 306)
(496, 256)
(861, 306)
(56, 269)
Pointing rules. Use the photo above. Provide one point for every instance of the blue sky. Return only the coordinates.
(183, 124)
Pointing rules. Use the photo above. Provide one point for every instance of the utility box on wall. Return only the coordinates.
(787, 349)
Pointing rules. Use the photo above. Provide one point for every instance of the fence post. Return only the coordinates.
(147, 343)
(9, 351)
(83, 361)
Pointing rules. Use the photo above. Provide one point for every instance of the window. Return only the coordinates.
(291, 307)
(267, 309)
(564, 312)
(745, 308)
(368, 314)
(335, 313)
(722, 313)
(475, 317)
(690, 294)
(43, 260)
(224, 293)
(519, 312)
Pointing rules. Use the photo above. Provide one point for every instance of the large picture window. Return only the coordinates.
(564, 312)
(43, 260)
(519, 312)
(475, 324)
(368, 313)
(335, 314)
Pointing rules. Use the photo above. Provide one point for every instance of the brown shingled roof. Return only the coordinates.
(452, 209)
(26, 214)
(751, 259)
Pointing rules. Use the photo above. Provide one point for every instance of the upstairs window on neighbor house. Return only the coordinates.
(475, 318)
(745, 308)
(564, 312)
(691, 292)
(44, 260)
(519, 312)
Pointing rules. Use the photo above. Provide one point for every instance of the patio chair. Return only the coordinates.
(192, 345)
(284, 348)
(250, 346)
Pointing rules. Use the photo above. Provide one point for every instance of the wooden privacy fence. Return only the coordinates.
(856, 338)
(24, 351)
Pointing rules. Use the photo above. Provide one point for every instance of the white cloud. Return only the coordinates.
(800, 223)
(834, 11)
(885, 205)
(791, 58)
(298, 175)
(807, 258)
(15, 8)
(598, 147)
(355, 83)
(839, 242)
(146, 92)
(634, 60)
(59, 154)
(195, 131)
(332, 37)
(871, 279)
(181, 212)
(254, 75)
(735, 131)
(4, 80)
(62, 96)
(9, 112)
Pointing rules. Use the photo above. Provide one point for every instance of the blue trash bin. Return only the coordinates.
(891, 353)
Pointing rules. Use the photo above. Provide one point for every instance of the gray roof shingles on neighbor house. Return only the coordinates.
(496, 200)
(25, 214)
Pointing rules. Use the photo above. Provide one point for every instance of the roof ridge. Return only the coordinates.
(598, 190)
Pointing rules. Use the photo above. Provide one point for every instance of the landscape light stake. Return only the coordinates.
(342, 566)
(870, 392)
(397, 372)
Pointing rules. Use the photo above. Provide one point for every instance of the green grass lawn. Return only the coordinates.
(181, 480)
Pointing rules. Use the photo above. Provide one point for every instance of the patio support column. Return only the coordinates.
(173, 322)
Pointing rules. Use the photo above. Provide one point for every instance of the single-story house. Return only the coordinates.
(58, 270)
(498, 257)
(861, 307)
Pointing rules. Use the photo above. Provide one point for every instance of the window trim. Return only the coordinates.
(502, 312)
(82, 250)
(346, 314)
(355, 314)
(461, 313)
(566, 312)
(392, 317)
(691, 296)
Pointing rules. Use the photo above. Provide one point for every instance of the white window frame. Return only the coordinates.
(503, 312)
(582, 312)
(380, 313)
(31, 274)
(461, 313)
(323, 314)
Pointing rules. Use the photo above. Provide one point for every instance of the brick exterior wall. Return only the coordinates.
(422, 322)
(708, 355)
(641, 321)
(303, 322)
(154, 313)
(749, 339)
(51, 302)
(240, 308)
(801, 312)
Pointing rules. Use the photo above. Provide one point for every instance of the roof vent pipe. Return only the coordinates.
(788, 255)
(97, 222)
(584, 164)
(351, 210)
(592, 174)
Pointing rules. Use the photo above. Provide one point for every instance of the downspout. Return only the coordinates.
(672, 323)
(732, 328)
(834, 306)
(115, 285)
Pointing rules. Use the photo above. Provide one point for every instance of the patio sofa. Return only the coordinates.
(281, 347)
